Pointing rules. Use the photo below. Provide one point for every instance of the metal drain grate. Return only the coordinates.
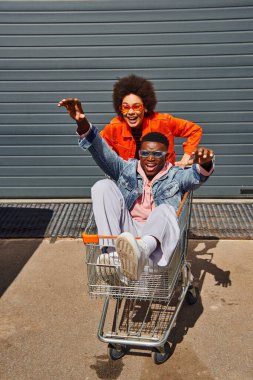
(222, 221)
(33, 220)
(43, 220)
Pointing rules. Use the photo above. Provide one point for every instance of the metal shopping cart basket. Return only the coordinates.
(144, 310)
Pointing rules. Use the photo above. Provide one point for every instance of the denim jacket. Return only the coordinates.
(167, 189)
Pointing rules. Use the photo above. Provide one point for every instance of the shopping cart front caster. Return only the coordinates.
(116, 353)
(192, 295)
(159, 357)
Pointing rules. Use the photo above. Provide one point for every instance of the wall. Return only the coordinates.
(197, 53)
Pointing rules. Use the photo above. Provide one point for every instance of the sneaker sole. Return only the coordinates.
(106, 270)
(128, 258)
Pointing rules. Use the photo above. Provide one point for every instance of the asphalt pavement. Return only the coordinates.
(49, 323)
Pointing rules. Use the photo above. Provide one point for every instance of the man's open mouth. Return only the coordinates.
(150, 166)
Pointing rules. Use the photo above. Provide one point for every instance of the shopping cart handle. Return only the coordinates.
(94, 239)
(90, 239)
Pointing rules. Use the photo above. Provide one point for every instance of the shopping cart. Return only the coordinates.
(145, 310)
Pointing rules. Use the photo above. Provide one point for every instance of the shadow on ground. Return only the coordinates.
(201, 264)
(14, 254)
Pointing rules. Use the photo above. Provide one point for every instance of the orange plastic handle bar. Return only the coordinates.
(94, 239)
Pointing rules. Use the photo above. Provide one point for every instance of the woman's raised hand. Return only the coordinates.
(74, 108)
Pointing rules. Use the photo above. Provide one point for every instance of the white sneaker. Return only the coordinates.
(133, 255)
(108, 270)
(123, 279)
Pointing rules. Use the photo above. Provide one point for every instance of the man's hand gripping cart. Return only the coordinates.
(145, 311)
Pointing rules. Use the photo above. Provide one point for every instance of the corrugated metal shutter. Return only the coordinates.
(197, 53)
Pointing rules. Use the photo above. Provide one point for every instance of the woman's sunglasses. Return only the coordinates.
(155, 154)
(136, 107)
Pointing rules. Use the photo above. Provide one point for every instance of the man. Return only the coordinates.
(143, 197)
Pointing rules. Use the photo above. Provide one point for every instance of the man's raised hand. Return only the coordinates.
(203, 156)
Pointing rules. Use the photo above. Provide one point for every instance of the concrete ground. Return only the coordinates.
(48, 322)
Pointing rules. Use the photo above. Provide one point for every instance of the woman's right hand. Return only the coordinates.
(74, 108)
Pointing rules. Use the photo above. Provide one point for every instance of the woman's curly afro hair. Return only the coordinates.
(139, 86)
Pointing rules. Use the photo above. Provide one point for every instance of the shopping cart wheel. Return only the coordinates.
(159, 357)
(192, 295)
(116, 353)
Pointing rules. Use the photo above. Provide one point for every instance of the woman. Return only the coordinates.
(134, 101)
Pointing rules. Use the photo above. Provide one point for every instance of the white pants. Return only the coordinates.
(112, 218)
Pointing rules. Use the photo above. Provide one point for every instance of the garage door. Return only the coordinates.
(197, 53)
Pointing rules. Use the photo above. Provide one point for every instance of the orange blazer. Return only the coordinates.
(118, 134)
